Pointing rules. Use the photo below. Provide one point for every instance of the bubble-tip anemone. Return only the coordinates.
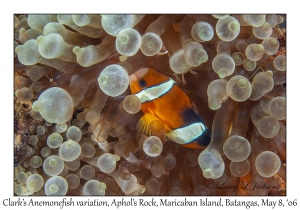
(55, 105)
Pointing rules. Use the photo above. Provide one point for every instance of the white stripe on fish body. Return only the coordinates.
(155, 92)
(186, 134)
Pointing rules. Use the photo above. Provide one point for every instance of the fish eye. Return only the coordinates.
(142, 83)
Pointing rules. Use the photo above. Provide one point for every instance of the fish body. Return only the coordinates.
(162, 99)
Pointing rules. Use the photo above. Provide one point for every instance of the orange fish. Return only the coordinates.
(162, 99)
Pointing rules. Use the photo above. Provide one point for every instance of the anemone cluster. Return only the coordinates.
(71, 78)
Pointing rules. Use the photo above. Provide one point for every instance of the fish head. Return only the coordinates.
(145, 78)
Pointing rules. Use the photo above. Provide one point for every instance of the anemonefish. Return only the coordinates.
(162, 99)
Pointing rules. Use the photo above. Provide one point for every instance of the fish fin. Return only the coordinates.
(143, 124)
(167, 129)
